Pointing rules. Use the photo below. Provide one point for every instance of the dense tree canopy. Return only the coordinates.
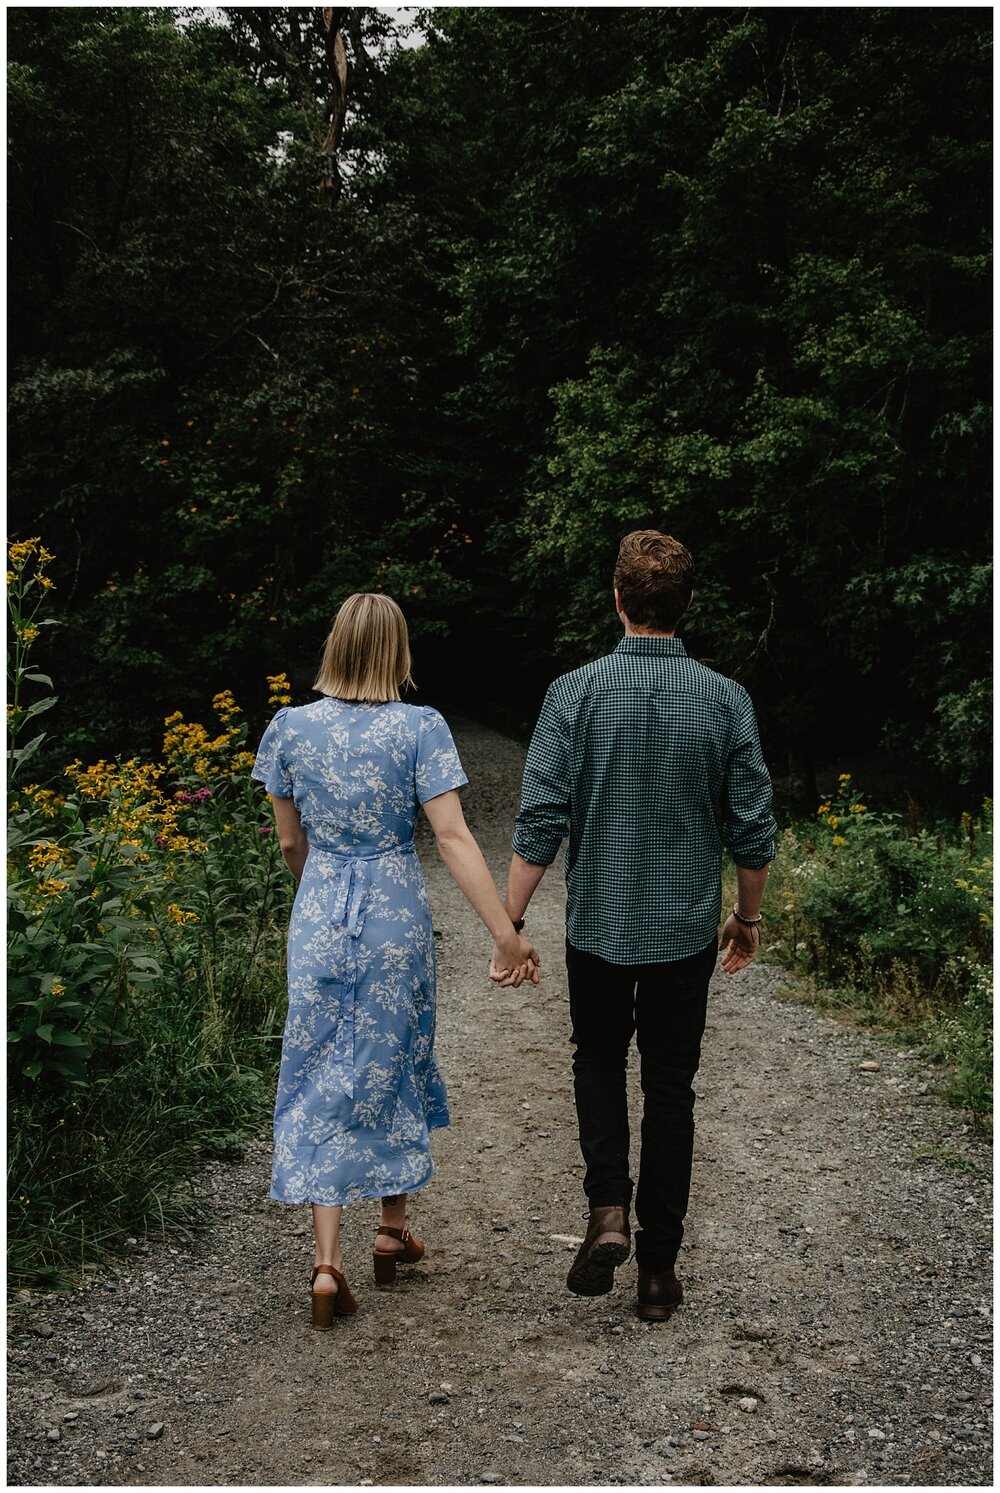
(572, 271)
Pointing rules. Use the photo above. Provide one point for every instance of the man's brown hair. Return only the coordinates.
(654, 575)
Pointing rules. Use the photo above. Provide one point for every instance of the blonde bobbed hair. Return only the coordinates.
(367, 653)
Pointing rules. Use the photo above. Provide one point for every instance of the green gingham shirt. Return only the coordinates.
(651, 763)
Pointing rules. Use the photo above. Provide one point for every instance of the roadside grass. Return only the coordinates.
(146, 912)
(887, 926)
(90, 1165)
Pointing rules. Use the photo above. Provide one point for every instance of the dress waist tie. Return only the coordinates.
(347, 910)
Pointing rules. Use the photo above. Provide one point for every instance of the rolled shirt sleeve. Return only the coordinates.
(748, 826)
(543, 822)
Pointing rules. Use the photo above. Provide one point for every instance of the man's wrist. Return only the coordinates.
(748, 920)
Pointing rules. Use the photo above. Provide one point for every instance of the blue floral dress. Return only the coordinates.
(359, 1087)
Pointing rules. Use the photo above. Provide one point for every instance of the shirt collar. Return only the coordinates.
(659, 647)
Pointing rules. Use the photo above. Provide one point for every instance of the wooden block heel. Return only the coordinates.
(385, 1261)
(385, 1269)
(323, 1314)
(329, 1304)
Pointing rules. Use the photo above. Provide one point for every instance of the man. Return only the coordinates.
(651, 763)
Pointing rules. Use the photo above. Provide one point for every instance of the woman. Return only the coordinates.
(359, 1087)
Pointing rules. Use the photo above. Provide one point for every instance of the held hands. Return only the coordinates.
(740, 943)
(514, 960)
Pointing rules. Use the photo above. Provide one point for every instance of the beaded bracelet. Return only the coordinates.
(747, 922)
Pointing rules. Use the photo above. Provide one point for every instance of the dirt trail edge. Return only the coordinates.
(836, 1267)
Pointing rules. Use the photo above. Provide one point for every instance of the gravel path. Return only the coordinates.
(837, 1271)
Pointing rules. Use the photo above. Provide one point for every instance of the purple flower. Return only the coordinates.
(263, 830)
(161, 841)
(183, 798)
(202, 793)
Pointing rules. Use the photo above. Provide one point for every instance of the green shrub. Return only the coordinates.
(898, 918)
(146, 980)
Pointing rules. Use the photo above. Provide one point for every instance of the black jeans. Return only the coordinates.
(665, 1006)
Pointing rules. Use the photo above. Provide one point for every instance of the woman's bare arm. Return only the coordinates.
(464, 860)
(291, 835)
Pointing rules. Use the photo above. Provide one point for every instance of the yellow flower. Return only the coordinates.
(279, 690)
(857, 808)
(823, 809)
(58, 989)
(177, 915)
(839, 840)
(44, 800)
(182, 843)
(45, 855)
(845, 777)
(225, 706)
(20, 552)
(833, 821)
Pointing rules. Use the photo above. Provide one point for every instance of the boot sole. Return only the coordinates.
(596, 1277)
(656, 1313)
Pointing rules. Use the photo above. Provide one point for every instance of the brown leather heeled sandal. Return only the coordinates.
(329, 1304)
(386, 1260)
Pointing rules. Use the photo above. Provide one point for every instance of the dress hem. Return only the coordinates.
(364, 1197)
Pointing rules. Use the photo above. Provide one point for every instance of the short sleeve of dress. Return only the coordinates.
(270, 767)
(438, 768)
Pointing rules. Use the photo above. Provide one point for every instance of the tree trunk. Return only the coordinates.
(337, 62)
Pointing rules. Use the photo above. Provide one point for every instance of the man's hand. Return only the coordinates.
(514, 960)
(740, 944)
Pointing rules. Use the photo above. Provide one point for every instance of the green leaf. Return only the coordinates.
(38, 707)
(145, 962)
(69, 1039)
(25, 753)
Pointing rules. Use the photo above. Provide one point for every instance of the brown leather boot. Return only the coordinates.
(658, 1295)
(606, 1245)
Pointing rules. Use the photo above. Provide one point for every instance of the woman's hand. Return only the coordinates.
(514, 960)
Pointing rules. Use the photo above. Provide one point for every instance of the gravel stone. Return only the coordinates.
(828, 1325)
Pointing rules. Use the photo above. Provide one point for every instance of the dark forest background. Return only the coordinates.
(570, 272)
